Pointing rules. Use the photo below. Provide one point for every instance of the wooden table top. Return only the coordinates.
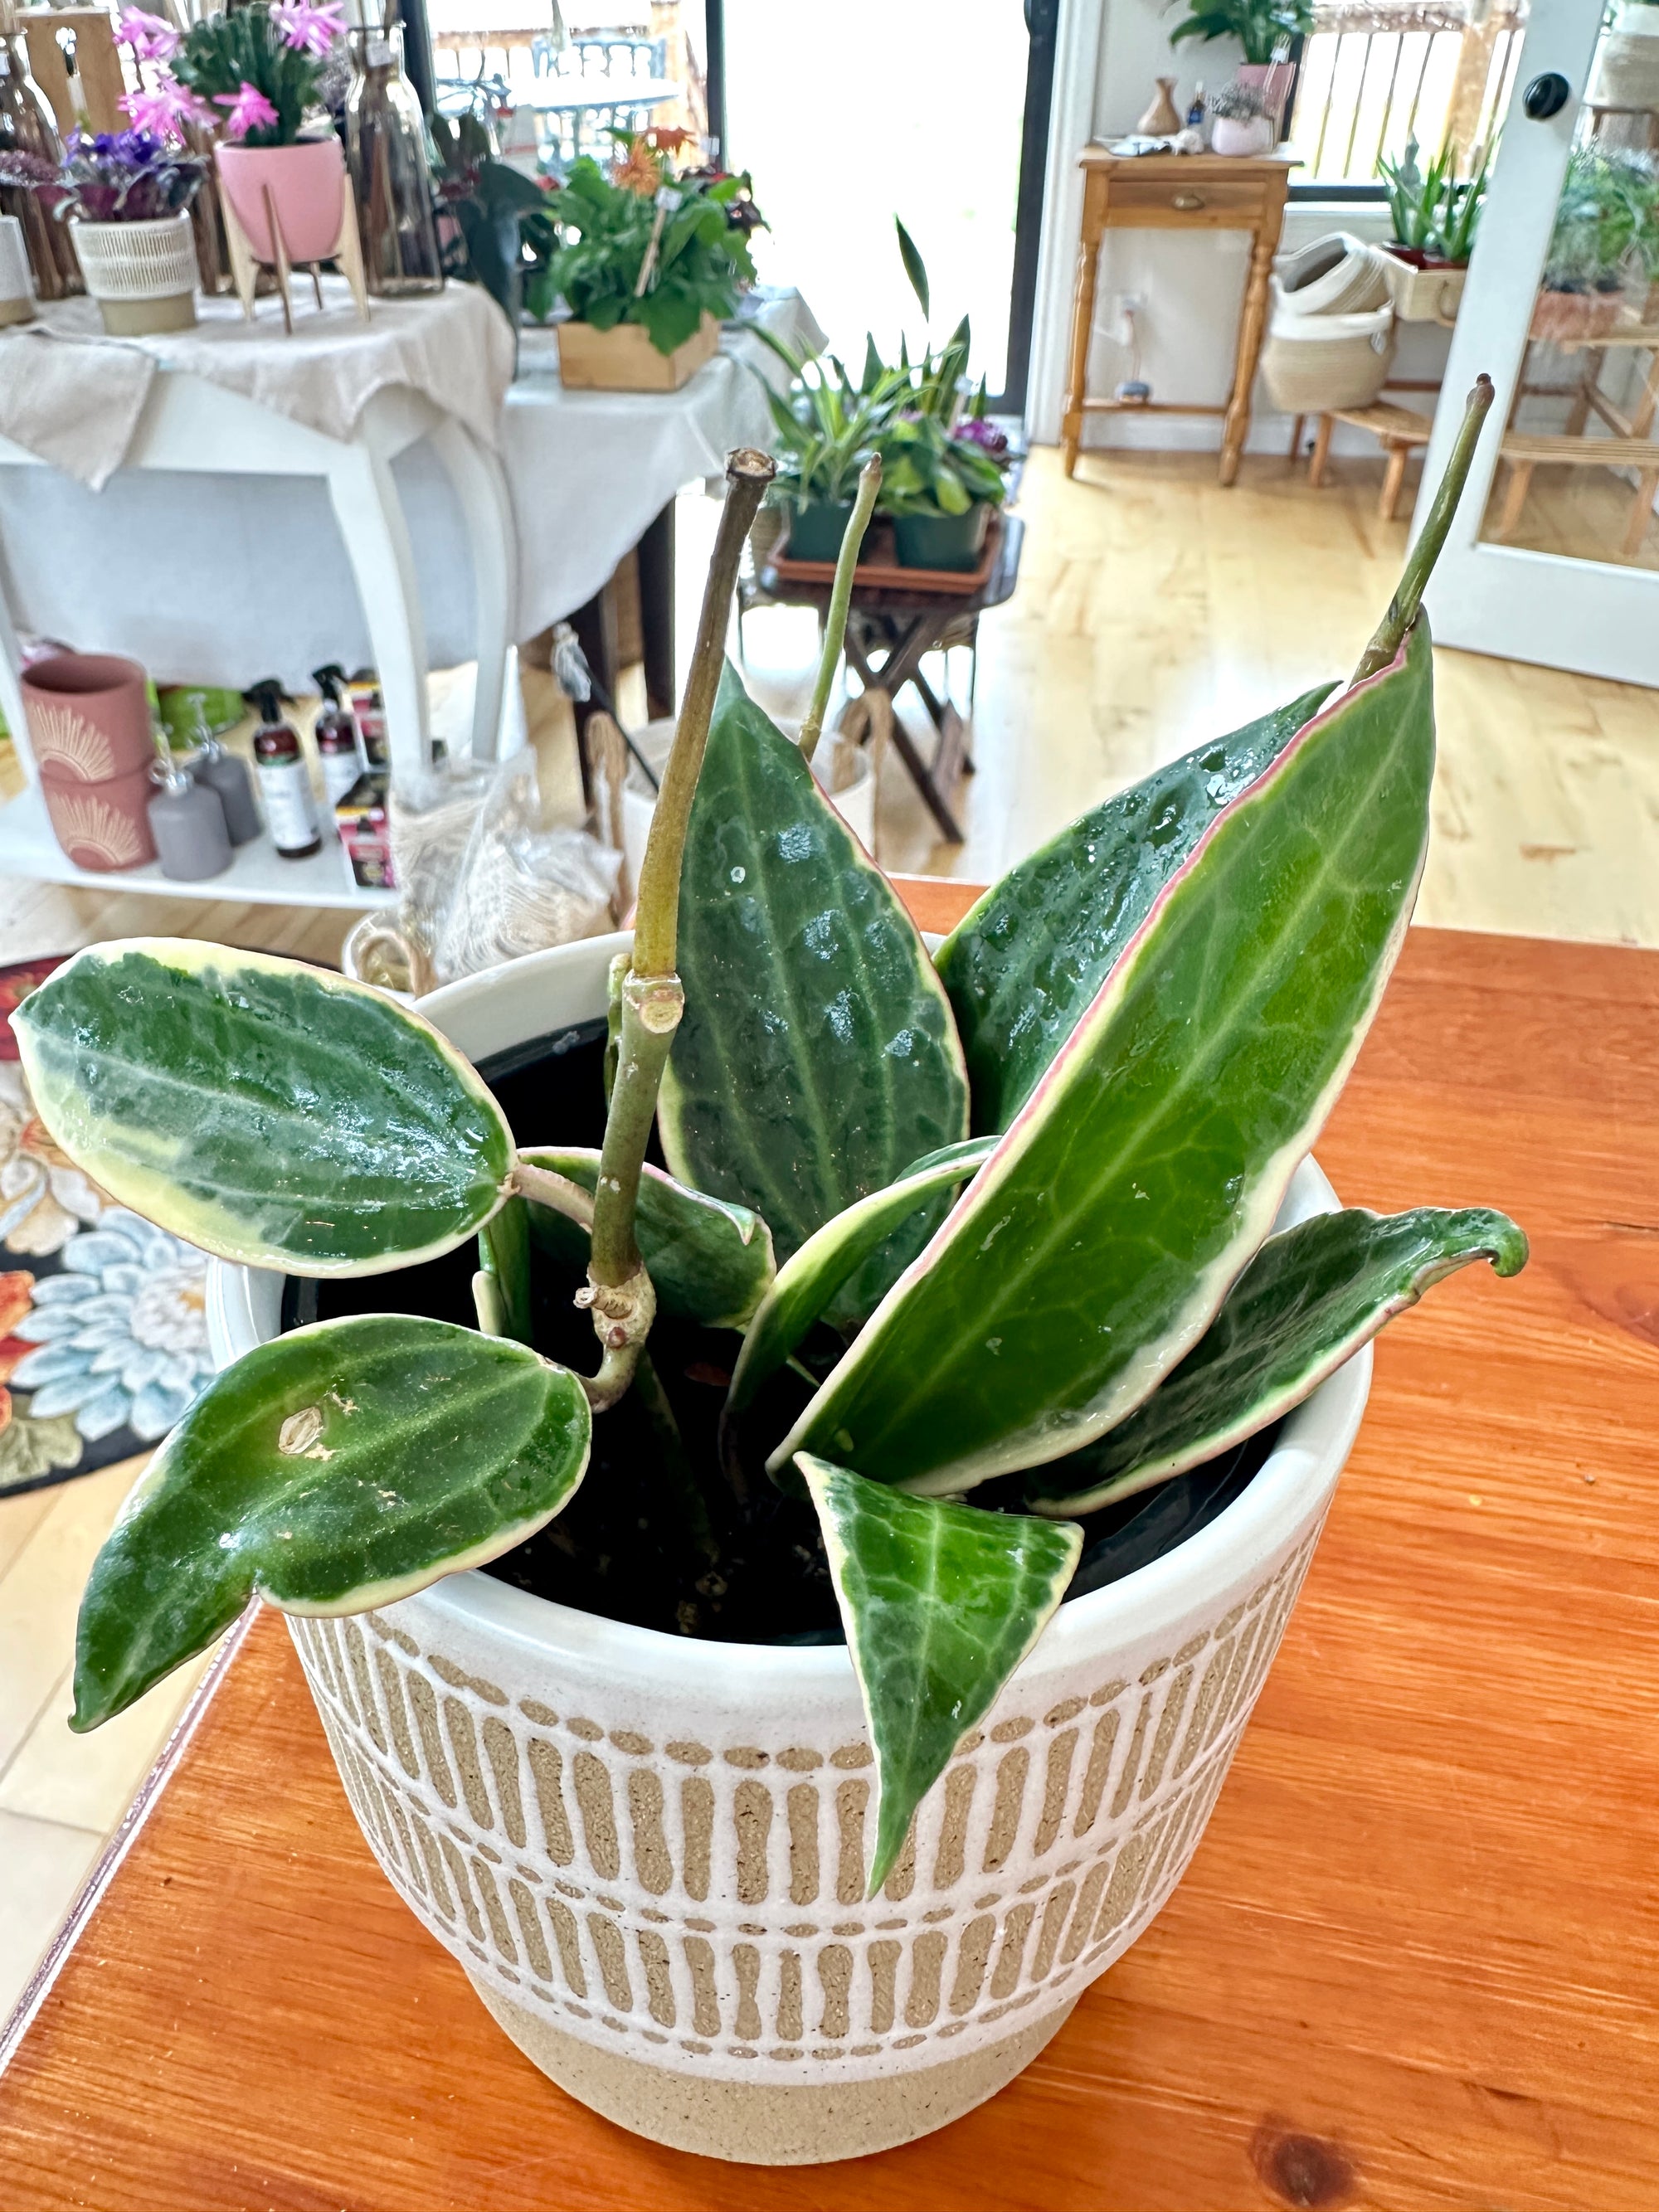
(1415, 1964)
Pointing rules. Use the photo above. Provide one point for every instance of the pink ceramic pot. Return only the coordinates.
(88, 717)
(1273, 80)
(307, 189)
(104, 826)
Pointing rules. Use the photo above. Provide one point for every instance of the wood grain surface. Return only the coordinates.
(1414, 1964)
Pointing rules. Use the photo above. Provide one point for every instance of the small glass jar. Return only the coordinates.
(385, 147)
(26, 126)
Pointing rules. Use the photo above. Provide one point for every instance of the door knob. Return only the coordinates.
(1546, 95)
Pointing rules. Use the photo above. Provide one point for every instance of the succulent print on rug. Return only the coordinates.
(103, 1319)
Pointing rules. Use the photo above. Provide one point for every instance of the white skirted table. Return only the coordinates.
(222, 505)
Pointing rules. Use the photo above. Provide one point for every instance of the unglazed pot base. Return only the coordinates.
(763, 2124)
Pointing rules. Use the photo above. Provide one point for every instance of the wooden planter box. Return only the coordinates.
(624, 359)
(1424, 291)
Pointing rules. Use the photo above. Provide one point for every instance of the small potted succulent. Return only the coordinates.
(126, 197)
(1239, 121)
(764, 1785)
(1436, 215)
(1609, 205)
(649, 263)
(255, 74)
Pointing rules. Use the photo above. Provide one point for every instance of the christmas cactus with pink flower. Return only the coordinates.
(260, 68)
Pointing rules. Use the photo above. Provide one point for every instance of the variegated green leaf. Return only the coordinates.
(266, 1111)
(808, 1283)
(708, 1262)
(1025, 961)
(1307, 1302)
(504, 1256)
(1093, 1249)
(818, 1056)
(940, 1603)
(332, 1470)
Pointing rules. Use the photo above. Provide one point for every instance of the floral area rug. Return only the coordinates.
(103, 1319)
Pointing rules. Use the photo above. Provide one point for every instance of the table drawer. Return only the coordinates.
(1240, 203)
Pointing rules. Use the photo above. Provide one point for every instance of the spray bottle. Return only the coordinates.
(284, 779)
(335, 731)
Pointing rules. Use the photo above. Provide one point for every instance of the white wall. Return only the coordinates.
(1190, 283)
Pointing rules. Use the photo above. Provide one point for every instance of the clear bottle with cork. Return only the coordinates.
(339, 748)
(26, 126)
(386, 150)
(284, 779)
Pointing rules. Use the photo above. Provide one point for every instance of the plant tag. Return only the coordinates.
(668, 199)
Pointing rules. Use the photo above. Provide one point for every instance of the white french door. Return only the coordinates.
(1554, 558)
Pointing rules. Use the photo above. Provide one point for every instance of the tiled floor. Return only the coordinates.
(60, 1795)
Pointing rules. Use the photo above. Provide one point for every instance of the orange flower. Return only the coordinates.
(638, 171)
(668, 139)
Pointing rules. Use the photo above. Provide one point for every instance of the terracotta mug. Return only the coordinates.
(88, 717)
(104, 826)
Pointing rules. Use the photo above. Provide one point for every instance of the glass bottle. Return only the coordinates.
(385, 147)
(26, 126)
(284, 779)
(334, 733)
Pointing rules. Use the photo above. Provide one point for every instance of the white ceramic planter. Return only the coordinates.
(648, 1853)
(142, 275)
(1235, 135)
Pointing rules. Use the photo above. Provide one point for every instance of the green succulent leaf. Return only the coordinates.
(914, 267)
(708, 1262)
(808, 1283)
(1307, 1302)
(504, 1256)
(818, 1057)
(332, 1470)
(1024, 963)
(1094, 1248)
(266, 1111)
(941, 1604)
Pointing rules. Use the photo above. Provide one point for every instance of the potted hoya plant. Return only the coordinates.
(126, 197)
(1436, 215)
(894, 1405)
(649, 263)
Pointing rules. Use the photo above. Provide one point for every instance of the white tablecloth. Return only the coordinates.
(223, 580)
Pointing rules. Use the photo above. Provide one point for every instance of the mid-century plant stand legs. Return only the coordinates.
(1176, 191)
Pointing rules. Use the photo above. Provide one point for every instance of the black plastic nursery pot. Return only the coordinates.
(626, 1548)
(942, 541)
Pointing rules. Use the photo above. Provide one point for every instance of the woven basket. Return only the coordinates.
(1339, 274)
(1627, 71)
(1315, 363)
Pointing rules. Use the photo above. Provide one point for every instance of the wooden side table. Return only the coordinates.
(1176, 191)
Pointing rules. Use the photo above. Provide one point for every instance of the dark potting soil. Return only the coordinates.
(676, 1542)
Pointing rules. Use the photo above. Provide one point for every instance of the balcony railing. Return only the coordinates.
(1373, 77)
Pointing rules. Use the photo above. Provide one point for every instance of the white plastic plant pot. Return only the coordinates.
(648, 1853)
(846, 773)
(142, 275)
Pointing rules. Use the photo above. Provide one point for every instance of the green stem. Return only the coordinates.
(841, 598)
(1419, 564)
(619, 1290)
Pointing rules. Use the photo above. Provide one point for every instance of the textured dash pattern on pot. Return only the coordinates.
(708, 1896)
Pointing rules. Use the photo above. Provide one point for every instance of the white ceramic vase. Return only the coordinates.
(649, 1852)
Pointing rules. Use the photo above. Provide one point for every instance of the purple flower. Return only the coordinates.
(148, 38)
(249, 109)
(974, 430)
(307, 29)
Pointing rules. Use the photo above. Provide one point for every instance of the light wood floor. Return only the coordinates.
(1155, 610)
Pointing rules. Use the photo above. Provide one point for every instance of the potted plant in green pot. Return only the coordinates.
(256, 72)
(940, 484)
(649, 265)
(126, 198)
(773, 1800)
(1436, 215)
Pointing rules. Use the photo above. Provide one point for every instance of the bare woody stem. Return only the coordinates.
(1408, 596)
(619, 1291)
(841, 598)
